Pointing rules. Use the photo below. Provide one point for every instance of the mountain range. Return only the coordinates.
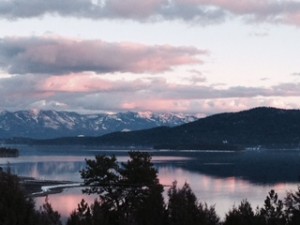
(259, 127)
(53, 124)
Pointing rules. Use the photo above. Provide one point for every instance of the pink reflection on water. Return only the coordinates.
(222, 192)
(66, 202)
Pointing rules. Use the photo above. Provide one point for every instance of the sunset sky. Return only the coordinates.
(190, 56)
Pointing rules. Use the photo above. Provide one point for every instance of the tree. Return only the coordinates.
(292, 204)
(95, 214)
(15, 207)
(102, 177)
(183, 208)
(48, 216)
(208, 215)
(144, 203)
(272, 212)
(81, 215)
(242, 215)
(130, 190)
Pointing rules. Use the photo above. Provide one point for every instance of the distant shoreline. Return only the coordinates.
(8, 152)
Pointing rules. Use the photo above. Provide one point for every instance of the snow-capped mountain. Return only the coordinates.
(52, 124)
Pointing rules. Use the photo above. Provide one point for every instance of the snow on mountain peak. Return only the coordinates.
(50, 124)
(146, 115)
(35, 112)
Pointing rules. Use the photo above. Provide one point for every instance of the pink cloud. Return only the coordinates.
(89, 83)
(75, 83)
(60, 56)
(162, 105)
(293, 18)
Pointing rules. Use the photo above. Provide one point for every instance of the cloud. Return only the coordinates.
(110, 9)
(90, 92)
(190, 98)
(273, 11)
(43, 55)
(296, 74)
(89, 83)
(200, 11)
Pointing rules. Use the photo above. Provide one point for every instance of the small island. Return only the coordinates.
(8, 152)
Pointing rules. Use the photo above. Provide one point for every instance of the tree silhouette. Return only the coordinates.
(208, 215)
(183, 208)
(273, 212)
(292, 204)
(130, 190)
(242, 215)
(48, 216)
(144, 202)
(15, 207)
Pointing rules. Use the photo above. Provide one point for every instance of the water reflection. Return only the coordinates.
(64, 167)
(223, 193)
(218, 178)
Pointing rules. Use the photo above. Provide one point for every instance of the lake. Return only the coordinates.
(217, 178)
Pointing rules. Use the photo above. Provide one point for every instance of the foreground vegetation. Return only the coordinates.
(130, 194)
(18, 209)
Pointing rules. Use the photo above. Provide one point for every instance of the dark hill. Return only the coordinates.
(260, 126)
(266, 127)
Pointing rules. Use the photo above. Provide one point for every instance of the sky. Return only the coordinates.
(189, 56)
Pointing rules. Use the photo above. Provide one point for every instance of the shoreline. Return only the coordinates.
(39, 188)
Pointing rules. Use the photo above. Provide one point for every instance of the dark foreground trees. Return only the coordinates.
(18, 209)
(15, 208)
(292, 207)
(183, 208)
(273, 212)
(129, 193)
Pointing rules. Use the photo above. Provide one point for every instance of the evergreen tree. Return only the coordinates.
(273, 212)
(241, 215)
(144, 203)
(292, 204)
(208, 215)
(131, 191)
(15, 207)
(183, 208)
(102, 177)
(80, 216)
(48, 216)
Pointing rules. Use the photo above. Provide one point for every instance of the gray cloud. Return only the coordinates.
(200, 11)
(295, 74)
(14, 9)
(60, 56)
(112, 9)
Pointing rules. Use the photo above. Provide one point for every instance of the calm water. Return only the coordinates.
(217, 178)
